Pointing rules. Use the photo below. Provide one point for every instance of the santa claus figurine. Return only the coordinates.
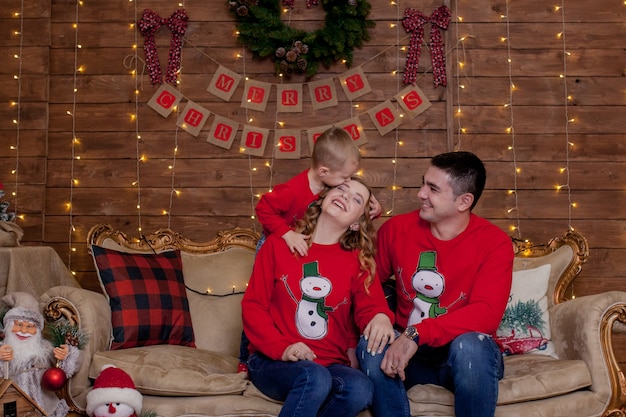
(25, 355)
(114, 395)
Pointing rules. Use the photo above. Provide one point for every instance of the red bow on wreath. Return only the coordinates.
(414, 22)
(148, 25)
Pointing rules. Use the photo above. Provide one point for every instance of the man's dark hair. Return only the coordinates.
(466, 170)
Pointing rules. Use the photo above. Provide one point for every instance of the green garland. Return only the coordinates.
(294, 50)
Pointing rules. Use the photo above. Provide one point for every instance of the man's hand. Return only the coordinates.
(297, 242)
(397, 357)
(61, 352)
(6, 353)
(378, 333)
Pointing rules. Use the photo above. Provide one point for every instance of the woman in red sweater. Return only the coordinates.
(303, 314)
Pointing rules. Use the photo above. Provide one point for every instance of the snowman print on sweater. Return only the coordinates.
(429, 285)
(311, 311)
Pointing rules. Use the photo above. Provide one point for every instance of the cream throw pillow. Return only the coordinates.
(215, 285)
(525, 327)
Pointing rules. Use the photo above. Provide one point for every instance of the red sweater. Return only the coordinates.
(462, 285)
(279, 210)
(316, 299)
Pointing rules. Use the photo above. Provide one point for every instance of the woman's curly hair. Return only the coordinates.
(364, 238)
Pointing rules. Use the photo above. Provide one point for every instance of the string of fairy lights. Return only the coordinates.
(565, 170)
(172, 167)
(74, 140)
(511, 129)
(461, 87)
(251, 168)
(397, 140)
(139, 158)
(17, 103)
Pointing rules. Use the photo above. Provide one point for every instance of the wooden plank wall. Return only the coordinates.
(75, 127)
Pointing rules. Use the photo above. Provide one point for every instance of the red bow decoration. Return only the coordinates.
(148, 25)
(414, 22)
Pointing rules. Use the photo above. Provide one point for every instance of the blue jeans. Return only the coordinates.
(309, 389)
(470, 366)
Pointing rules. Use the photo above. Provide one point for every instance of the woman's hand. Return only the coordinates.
(298, 352)
(378, 333)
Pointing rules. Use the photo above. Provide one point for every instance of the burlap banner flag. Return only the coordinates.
(412, 100)
(289, 98)
(354, 83)
(193, 118)
(224, 83)
(255, 95)
(287, 144)
(355, 128)
(223, 132)
(165, 100)
(323, 94)
(385, 117)
(253, 140)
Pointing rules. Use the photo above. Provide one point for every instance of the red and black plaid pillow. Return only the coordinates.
(147, 296)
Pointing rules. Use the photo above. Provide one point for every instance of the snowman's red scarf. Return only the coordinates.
(148, 25)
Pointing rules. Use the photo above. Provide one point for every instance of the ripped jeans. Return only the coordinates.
(470, 366)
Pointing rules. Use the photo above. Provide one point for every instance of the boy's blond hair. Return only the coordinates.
(333, 149)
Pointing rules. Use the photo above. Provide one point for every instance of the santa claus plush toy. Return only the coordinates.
(26, 357)
(114, 395)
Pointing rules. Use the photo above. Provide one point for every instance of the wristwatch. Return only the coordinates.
(411, 333)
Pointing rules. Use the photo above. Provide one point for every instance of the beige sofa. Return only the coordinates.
(585, 380)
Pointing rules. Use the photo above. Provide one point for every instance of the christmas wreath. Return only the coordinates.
(263, 32)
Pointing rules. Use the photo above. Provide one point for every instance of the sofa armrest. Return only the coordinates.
(582, 328)
(90, 311)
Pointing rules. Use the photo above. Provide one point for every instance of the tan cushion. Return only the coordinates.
(171, 370)
(526, 378)
(531, 377)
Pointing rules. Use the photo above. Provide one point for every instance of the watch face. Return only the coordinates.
(411, 332)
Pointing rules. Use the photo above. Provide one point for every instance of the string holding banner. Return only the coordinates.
(254, 139)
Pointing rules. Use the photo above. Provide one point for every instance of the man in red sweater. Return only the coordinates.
(453, 274)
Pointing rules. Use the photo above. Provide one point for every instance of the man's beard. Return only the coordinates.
(26, 353)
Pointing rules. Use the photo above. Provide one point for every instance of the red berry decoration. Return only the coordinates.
(53, 379)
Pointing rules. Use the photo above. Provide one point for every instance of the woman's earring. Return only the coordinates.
(354, 227)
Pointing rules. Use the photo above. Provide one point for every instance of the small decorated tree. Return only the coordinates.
(4, 206)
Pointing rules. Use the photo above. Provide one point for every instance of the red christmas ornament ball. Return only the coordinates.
(53, 379)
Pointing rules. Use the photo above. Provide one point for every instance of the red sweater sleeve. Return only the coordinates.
(279, 209)
(258, 322)
(368, 302)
